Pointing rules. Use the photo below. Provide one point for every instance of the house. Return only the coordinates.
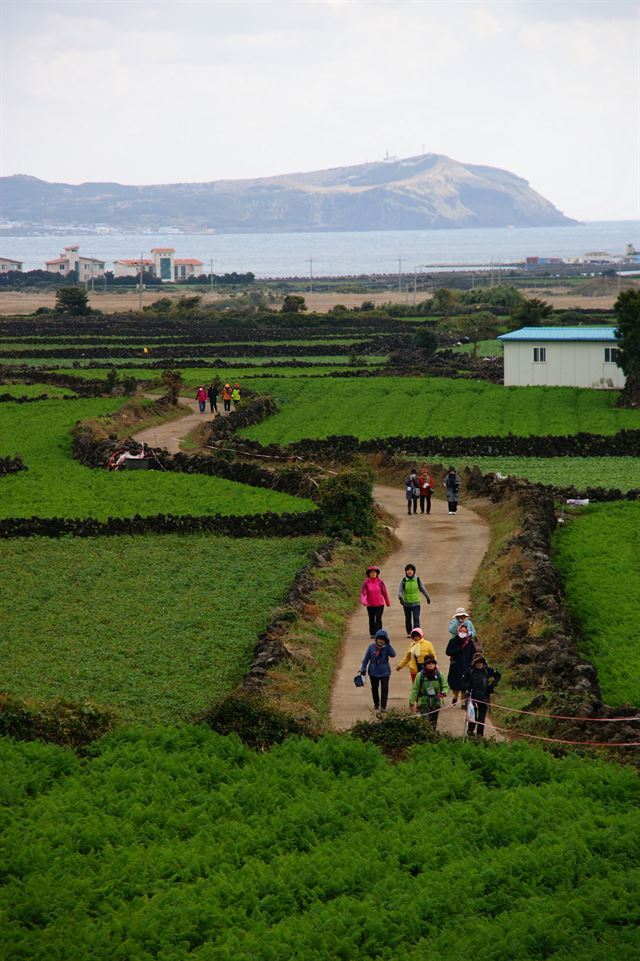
(131, 268)
(70, 259)
(562, 357)
(6, 264)
(185, 268)
(163, 262)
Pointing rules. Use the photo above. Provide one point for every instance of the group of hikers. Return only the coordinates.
(469, 678)
(228, 393)
(419, 487)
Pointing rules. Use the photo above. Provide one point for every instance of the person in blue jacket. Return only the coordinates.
(376, 660)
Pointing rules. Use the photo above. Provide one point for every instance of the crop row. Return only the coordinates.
(374, 346)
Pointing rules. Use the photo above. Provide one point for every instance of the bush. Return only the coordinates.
(395, 733)
(257, 724)
(62, 722)
(346, 501)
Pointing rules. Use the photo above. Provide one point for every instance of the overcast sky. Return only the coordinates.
(198, 90)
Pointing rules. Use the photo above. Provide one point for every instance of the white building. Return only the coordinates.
(131, 268)
(70, 259)
(163, 267)
(562, 357)
(6, 264)
(184, 268)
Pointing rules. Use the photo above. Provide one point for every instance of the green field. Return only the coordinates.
(34, 390)
(179, 843)
(384, 407)
(622, 473)
(597, 554)
(156, 627)
(486, 348)
(55, 485)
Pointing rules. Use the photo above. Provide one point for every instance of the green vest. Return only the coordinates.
(410, 591)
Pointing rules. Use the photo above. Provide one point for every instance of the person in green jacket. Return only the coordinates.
(409, 591)
(429, 690)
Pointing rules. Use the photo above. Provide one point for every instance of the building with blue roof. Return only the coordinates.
(562, 357)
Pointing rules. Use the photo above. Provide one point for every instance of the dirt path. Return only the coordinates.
(170, 434)
(447, 551)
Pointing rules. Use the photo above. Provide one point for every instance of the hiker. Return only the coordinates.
(374, 596)
(412, 491)
(409, 591)
(425, 488)
(460, 651)
(201, 397)
(376, 660)
(479, 682)
(462, 617)
(419, 648)
(429, 690)
(226, 397)
(212, 394)
(452, 485)
(235, 395)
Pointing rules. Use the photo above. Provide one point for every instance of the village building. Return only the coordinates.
(6, 264)
(562, 357)
(185, 268)
(131, 268)
(70, 259)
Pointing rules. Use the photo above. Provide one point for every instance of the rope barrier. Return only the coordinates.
(560, 717)
(557, 740)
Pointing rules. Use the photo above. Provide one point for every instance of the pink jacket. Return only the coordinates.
(374, 593)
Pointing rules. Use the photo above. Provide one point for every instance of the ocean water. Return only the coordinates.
(339, 254)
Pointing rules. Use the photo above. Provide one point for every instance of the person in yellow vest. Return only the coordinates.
(235, 395)
(409, 591)
(419, 648)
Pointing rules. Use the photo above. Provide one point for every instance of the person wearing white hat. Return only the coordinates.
(461, 616)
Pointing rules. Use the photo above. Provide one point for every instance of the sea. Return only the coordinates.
(347, 254)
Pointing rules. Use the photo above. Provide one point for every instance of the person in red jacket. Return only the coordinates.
(425, 485)
(374, 597)
(201, 397)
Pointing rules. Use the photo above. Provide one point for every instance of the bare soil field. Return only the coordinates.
(26, 302)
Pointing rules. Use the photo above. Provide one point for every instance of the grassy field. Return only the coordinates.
(179, 843)
(440, 406)
(622, 473)
(55, 485)
(486, 348)
(597, 554)
(156, 627)
(34, 390)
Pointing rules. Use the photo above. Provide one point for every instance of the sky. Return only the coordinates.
(173, 91)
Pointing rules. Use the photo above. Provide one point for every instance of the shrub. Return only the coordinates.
(257, 724)
(346, 500)
(67, 723)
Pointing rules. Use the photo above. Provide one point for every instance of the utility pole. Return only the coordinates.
(140, 285)
(399, 275)
(310, 262)
(211, 274)
(415, 284)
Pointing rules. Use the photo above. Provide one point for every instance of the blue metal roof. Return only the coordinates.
(599, 334)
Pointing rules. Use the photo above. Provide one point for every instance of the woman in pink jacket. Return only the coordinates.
(374, 596)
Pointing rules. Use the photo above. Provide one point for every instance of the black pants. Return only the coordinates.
(427, 498)
(379, 691)
(375, 619)
(227, 404)
(432, 714)
(453, 506)
(481, 714)
(411, 617)
(414, 501)
(213, 404)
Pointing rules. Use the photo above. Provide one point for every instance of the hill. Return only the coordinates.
(420, 192)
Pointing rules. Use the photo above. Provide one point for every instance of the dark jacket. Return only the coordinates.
(480, 682)
(377, 658)
(461, 657)
(212, 393)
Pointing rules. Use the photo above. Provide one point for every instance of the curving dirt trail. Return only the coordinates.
(170, 434)
(447, 551)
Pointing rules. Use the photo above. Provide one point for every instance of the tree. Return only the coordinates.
(72, 300)
(172, 381)
(627, 310)
(426, 340)
(473, 327)
(530, 313)
(293, 304)
(444, 301)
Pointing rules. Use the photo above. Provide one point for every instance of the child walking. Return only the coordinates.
(429, 690)
(376, 661)
(479, 682)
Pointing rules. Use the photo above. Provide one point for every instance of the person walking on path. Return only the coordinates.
(226, 397)
(461, 651)
(452, 486)
(412, 491)
(425, 487)
(376, 662)
(201, 397)
(409, 591)
(235, 396)
(429, 691)
(374, 596)
(419, 649)
(479, 682)
(462, 617)
(212, 394)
